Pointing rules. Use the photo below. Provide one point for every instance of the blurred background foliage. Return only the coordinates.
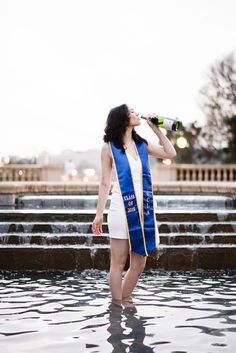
(215, 141)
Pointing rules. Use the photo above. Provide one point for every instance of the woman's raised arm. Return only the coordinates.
(166, 149)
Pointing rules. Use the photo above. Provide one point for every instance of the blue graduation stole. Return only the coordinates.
(141, 224)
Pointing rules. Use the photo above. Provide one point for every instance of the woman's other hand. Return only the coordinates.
(97, 225)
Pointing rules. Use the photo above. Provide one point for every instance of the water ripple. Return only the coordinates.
(73, 312)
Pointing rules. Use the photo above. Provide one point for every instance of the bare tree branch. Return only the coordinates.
(218, 101)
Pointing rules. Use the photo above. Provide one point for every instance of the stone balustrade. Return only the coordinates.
(205, 172)
(21, 172)
(160, 172)
(31, 172)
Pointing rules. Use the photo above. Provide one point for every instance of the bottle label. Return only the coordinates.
(167, 123)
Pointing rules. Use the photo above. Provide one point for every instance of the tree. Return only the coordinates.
(218, 102)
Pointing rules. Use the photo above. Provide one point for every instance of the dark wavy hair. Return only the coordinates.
(116, 125)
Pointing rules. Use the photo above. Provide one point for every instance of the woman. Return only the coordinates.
(131, 216)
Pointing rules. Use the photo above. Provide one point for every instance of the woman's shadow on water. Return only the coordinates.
(126, 328)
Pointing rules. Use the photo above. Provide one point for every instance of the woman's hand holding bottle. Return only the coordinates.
(149, 117)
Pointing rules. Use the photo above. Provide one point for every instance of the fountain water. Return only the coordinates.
(54, 232)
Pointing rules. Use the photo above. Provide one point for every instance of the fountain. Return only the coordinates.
(46, 231)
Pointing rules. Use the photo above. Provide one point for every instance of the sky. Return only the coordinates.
(65, 63)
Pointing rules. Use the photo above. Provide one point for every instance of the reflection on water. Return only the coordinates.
(73, 312)
(127, 329)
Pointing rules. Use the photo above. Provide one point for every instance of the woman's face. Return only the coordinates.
(134, 119)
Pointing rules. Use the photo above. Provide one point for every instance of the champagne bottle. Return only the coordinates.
(167, 123)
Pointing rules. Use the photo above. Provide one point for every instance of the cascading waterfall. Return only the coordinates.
(54, 232)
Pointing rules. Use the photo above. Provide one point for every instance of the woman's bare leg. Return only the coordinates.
(137, 265)
(119, 254)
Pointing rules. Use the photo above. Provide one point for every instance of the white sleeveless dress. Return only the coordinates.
(116, 217)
